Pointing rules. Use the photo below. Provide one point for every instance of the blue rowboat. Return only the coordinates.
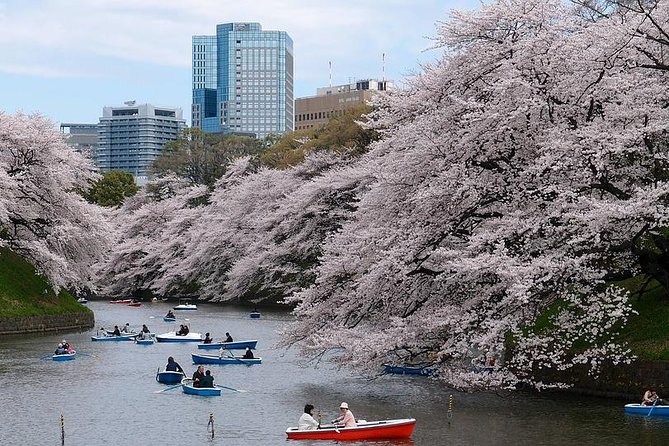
(216, 359)
(64, 357)
(169, 319)
(407, 370)
(255, 315)
(147, 341)
(172, 336)
(125, 337)
(640, 409)
(237, 345)
(187, 387)
(166, 377)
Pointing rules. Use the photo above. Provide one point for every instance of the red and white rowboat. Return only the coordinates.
(120, 301)
(366, 430)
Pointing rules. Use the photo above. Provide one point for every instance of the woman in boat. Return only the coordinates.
(116, 332)
(182, 330)
(102, 331)
(68, 348)
(170, 314)
(228, 338)
(198, 375)
(307, 421)
(60, 350)
(249, 355)
(346, 418)
(145, 329)
(208, 380)
(173, 366)
(207, 339)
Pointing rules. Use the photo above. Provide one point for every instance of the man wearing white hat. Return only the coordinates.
(346, 418)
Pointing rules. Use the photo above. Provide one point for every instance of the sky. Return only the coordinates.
(67, 59)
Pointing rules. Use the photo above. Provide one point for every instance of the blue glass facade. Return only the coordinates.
(251, 71)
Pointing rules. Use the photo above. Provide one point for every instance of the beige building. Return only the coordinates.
(314, 111)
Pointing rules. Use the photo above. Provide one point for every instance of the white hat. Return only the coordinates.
(60, 345)
(64, 341)
(343, 406)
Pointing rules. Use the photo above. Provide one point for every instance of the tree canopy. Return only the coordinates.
(112, 189)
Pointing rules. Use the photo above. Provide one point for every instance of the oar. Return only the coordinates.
(169, 388)
(651, 409)
(231, 388)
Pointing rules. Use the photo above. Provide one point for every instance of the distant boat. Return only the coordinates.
(167, 377)
(123, 337)
(169, 319)
(187, 387)
(120, 301)
(149, 339)
(236, 345)
(64, 357)
(186, 306)
(216, 359)
(365, 430)
(255, 314)
(407, 370)
(640, 409)
(82, 300)
(172, 336)
(135, 304)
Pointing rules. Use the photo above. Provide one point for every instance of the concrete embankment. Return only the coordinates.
(46, 323)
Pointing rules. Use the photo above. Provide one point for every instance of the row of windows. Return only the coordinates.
(319, 115)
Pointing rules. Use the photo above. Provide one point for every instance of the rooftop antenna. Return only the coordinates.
(330, 63)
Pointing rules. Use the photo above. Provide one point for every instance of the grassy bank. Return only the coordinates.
(24, 293)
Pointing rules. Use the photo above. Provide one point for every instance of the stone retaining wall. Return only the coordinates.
(47, 323)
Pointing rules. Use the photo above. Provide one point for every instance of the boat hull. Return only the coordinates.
(145, 341)
(172, 337)
(65, 357)
(371, 430)
(254, 315)
(186, 307)
(407, 370)
(128, 337)
(214, 359)
(201, 391)
(169, 319)
(238, 345)
(120, 301)
(166, 377)
(639, 409)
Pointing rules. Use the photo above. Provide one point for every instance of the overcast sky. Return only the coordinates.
(68, 58)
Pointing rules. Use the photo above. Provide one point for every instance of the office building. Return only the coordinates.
(243, 81)
(81, 137)
(314, 111)
(132, 136)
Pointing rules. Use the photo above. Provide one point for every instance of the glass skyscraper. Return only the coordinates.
(243, 80)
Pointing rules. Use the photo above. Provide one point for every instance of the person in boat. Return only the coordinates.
(173, 366)
(207, 339)
(145, 329)
(228, 338)
(650, 398)
(116, 332)
(208, 380)
(346, 417)
(126, 328)
(248, 354)
(102, 331)
(182, 330)
(68, 348)
(198, 376)
(170, 314)
(307, 421)
(60, 350)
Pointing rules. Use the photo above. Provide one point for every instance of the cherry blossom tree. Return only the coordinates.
(515, 178)
(42, 216)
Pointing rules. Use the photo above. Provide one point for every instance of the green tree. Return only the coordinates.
(112, 189)
(202, 158)
(341, 134)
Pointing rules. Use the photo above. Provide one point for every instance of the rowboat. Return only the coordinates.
(167, 377)
(216, 359)
(149, 339)
(64, 357)
(135, 304)
(171, 336)
(120, 301)
(254, 314)
(169, 319)
(123, 337)
(407, 370)
(82, 300)
(237, 345)
(186, 306)
(186, 386)
(366, 430)
(640, 409)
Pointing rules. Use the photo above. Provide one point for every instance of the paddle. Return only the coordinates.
(651, 409)
(231, 388)
(169, 388)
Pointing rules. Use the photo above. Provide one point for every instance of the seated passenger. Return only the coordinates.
(346, 418)
(228, 338)
(207, 339)
(170, 314)
(173, 366)
(116, 332)
(208, 380)
(307, 421)
(126, 328)
(60, 350)
(248, 354)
